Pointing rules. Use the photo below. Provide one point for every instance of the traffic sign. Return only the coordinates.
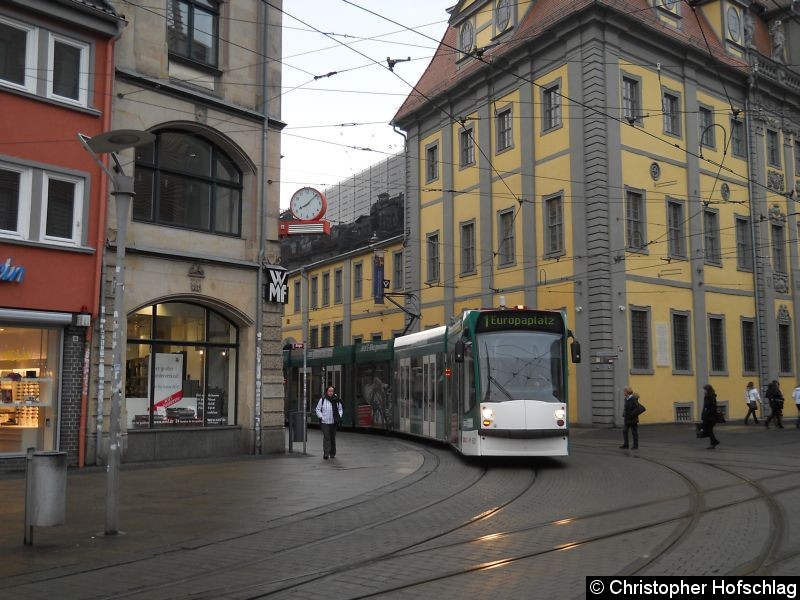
(298, 346)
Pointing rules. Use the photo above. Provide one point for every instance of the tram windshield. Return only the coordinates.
(520, 365)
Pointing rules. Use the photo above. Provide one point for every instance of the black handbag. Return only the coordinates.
(700, 431)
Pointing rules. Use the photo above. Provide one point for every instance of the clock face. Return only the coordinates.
(307, 204)
(503, 14)
(734, 23)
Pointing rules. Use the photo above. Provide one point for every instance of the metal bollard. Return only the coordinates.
(45, 490)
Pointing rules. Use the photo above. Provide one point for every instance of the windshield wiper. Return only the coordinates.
(490, 378)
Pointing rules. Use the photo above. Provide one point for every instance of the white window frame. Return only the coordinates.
(23, 202)
(83, 75)
(551, 107)
(31, 46)
(77, 210)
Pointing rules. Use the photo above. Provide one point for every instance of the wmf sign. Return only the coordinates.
(275, 289)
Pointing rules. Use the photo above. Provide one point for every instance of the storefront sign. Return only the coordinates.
(11, 273)
(276, 290)
(168, 381)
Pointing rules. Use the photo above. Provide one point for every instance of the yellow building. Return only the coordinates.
(336, 292)
(623, 160)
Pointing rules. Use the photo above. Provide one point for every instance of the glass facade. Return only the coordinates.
(181, 367)
(30, 359)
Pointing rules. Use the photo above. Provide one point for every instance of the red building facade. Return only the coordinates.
(56, 78)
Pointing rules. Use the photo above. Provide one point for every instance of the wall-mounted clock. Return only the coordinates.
(308, 204)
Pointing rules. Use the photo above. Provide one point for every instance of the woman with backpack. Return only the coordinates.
(329, 411)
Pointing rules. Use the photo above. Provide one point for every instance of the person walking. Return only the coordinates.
(796, 396)
(775, 398)
(709, 415)
(630, 417)
(752, 399)
(329, 411)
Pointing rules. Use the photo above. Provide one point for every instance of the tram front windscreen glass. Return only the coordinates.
(520, 365)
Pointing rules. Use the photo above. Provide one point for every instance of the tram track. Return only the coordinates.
(689, 518)
(303, 549)
(673, 541)
(672, 530)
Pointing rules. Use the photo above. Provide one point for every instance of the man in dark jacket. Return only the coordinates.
(630, 417)
(775, 398)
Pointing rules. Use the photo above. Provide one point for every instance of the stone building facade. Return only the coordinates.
(202, 363)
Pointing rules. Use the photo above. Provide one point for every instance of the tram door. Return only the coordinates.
(429, 395)
(404, 395)
(333, 377)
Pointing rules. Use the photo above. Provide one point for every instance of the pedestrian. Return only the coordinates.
(709, 416)
(630, 417)
(752, 399)
(775, 398)
(796, 396)
(329, 411)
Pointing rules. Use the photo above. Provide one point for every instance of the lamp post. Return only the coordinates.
(112, 142)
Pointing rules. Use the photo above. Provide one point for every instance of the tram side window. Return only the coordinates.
(416, 383)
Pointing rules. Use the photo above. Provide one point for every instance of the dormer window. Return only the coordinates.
(503, 15)
(466, 38)
(733, 21)
(672, 6)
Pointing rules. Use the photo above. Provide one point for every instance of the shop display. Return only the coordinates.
(22, 409)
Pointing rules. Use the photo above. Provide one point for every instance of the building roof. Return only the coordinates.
(99, 5)
(443, 71)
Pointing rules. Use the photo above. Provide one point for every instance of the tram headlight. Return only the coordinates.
(488, 415)
(560, 413)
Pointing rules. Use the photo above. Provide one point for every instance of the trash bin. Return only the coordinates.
(45, 490)
(298, 427)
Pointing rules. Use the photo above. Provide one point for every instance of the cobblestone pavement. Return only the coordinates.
(393, 518)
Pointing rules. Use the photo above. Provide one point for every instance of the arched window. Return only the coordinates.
(181, 367)
(182, 180)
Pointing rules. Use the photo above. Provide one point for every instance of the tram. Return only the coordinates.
(492, 383)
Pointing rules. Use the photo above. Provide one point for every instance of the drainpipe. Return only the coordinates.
(99, 306)
(404, 135)
(753, 242)
(262, 237)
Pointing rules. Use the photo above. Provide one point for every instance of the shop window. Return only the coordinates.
(29, 383)
(184, 373)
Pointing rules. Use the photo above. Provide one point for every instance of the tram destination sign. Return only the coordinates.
(532, 320)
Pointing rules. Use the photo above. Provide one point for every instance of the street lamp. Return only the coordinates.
(112, 142)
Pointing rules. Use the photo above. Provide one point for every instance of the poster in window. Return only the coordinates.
(168, 381)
